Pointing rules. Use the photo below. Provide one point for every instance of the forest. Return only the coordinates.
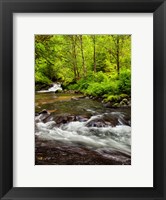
(95, 65)
(83, 99)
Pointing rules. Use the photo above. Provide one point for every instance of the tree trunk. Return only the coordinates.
(76, 73)
(82, 53)
(94, 51)
(117, 55)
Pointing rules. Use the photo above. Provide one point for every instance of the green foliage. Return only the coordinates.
(41, 78)
(102, 88)
(125, 82)
(41, 81)
(97, 65)
(115, 98)
(100, 77)
(95, 89)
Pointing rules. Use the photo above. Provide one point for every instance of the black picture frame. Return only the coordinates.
(7, 8)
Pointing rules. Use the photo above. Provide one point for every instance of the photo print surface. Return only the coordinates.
(82, 99)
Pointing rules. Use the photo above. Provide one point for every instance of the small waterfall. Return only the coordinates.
(54, 88)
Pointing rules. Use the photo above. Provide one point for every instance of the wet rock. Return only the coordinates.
(56, 153)
(76, 92)
(117, 119)
(43, 144)
(122, 103)
(82, 97)
(81, 119)
(63, 119)
(74, 98)
(44, 111)
(129, 103)
(125, 103)
(69, 91)
(107, 105)
(115, 105)
(98, 122)
(95, 98)
(48, 119)
(42, 116)
(125, 100)
(111, 119)
(58, 91)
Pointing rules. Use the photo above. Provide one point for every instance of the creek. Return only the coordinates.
(76, 130)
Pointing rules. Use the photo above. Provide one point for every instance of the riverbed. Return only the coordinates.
(71, 129)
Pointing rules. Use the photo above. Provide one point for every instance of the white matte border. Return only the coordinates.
(140, 173)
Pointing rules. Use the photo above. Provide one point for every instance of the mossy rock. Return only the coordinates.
(125, 100)
(115, 105)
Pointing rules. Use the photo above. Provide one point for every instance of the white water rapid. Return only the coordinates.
(54, 88)
(101, 139)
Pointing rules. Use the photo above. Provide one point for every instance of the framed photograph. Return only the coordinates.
(82, 99)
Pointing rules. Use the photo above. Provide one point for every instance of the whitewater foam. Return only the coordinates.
(77, 133)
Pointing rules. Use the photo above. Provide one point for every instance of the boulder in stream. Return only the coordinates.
(64, 118)
(74, 98)
(42, 116)
(101, 121)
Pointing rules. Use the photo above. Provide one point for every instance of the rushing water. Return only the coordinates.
(77, 128)
(55, 87)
